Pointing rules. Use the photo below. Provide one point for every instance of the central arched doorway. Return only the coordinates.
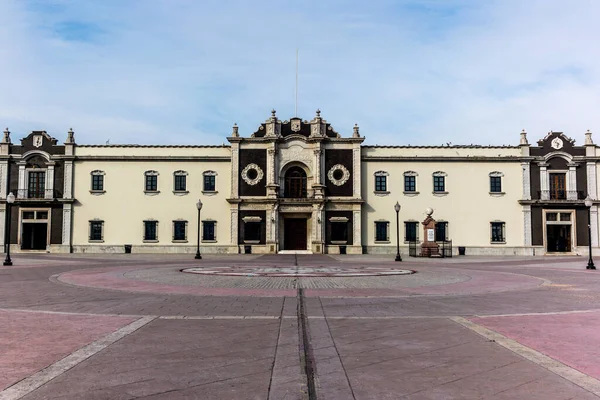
(295, 183)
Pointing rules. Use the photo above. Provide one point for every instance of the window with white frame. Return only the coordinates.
(179, 231)
(97, 181)
(210, 181)
(180, 181)
(381, 231)
(411, 231)
(439, 182)
(381, 181)
(151, 181)
(209, 231)
(151, 230)
(410, 181)
(496, 182)
(497, 232)
(96, 230)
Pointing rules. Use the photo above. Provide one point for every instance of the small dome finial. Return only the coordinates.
(234, 131)
(355, 132)
(318, 113)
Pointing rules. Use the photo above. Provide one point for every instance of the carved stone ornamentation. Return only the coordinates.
(252, 174)
(295, 153)
(295, 125)
(338, 175)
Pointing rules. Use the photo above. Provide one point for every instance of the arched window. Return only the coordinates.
(295, 183)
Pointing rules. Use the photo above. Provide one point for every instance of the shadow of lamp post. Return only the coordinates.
(199, 207)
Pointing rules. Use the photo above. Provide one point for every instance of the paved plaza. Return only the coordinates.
(286, 327)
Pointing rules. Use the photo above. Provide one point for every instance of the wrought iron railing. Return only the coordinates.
(444, 249)
(561, 194)
(24, 194)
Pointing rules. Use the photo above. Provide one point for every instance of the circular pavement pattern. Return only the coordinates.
(297, 272)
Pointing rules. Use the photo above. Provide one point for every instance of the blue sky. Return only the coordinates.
(407, 72)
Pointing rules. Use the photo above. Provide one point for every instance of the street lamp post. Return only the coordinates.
(397, 208)
(9, 200)
(199, 207)
(588, 203)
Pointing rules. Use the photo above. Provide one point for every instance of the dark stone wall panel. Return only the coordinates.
(258, 157)
(343, 157)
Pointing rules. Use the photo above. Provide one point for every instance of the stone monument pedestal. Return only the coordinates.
(429, 247)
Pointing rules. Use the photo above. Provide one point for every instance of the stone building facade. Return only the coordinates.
(297, 186)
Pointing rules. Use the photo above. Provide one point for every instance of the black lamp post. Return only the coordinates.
(588, 203)
(397, 208)
(9, 200)
(199, 207)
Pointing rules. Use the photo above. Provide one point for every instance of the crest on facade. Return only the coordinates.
(38, 140)
(338, 175)
(295, 125)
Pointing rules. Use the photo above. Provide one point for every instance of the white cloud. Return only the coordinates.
(407, 72)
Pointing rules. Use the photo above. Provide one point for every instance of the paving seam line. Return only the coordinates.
(40, 378)
(572, 375)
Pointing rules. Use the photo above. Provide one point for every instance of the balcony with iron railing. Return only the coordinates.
(561, 195)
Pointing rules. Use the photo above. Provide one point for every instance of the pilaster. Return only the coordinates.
(68, 180)
(3, 179)
(572, 182)
(234, 225)
(2, 222)
(356, 225)
(526, 168)
(592, 188)
(21, 188)
(594, 224)
(235, 169)
(544, 181)
(356, 180)
(272, 186)
(66, 227)
(527, 225)
(49, 192)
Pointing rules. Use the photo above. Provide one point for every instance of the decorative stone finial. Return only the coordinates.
(273, 112)
(523, 138)
(234, 131)
(6, 138)
(588, 137)
(318, 113)
(70, 136)
(355, 131)
(429, 211)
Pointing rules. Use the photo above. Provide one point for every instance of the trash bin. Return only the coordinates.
(342, 249)
(247, 249)
(461, 250)
(127, 249)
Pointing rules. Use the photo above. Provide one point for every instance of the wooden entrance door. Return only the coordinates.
(557, 187)
(294, 234)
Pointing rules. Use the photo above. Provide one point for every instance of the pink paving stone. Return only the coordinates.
(30, 341)
(572, 339)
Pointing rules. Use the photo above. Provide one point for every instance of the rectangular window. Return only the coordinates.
(410, 231)
(179, 230)
(96, 230)
(180, 183)
(150, 230)
(410, 183)
(441, 231)
(209, 183)
(498, 232)
(439, 183)
(380, 183)
(495, 184)
(151, 183)
(208, 230)
(381, 231)
(36, 185)
(98, 182)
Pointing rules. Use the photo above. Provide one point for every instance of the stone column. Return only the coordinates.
(527, 225)
(591, 180)
(66, 226)
(572, 182)
(544, 181)
(49, 193)
(68, 180)
(271, 175)
(525, 166)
